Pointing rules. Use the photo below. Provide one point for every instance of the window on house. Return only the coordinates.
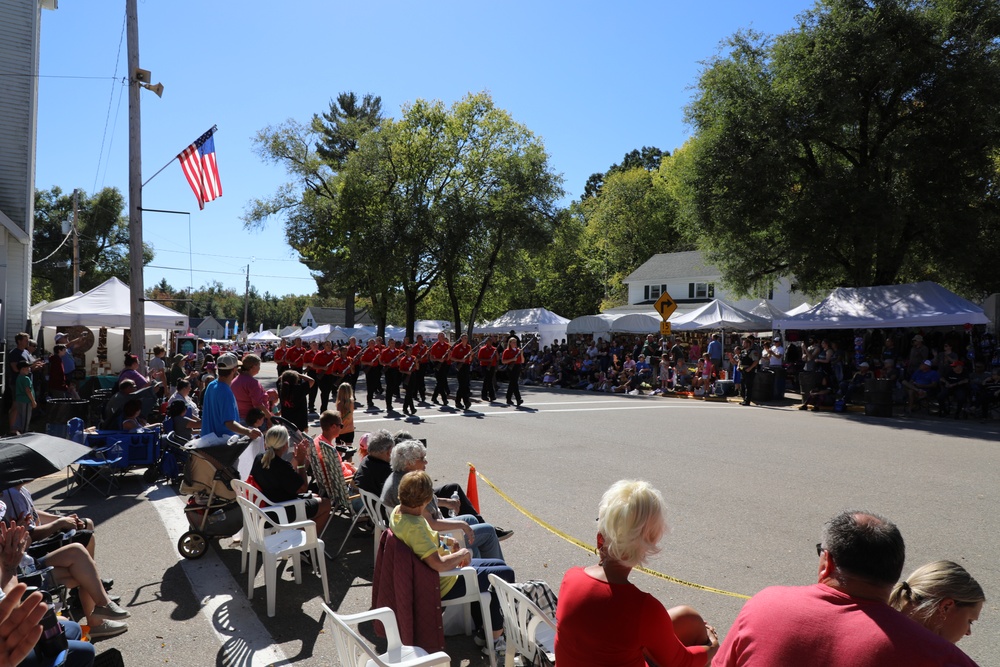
(309, 322)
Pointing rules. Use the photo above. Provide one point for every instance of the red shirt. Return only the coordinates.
(389, 357)
(307, 357)
(407, 364)
(340, 366)
(352, 351)
(510, 356)
(420, 352)
(322, 360)
(293, 357)
(439, 350)
(279, 355)
(370, 356)
(460, 351)
(485, 356)
(616, 625)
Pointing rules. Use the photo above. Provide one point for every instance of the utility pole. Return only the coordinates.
(138, 306)
(246, 302)
(76, 243)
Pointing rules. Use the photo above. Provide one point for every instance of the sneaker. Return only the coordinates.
(108, 629)
(499, 647)
(111, 611)
(503, 534)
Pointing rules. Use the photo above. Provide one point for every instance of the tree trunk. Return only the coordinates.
(349, 310)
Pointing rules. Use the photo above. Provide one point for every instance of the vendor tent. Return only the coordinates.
(264, 337)
(637, 323)
(590, 324)
(319, 334)
(924, 304)
(431, 327)
(545, 323)
(768, 311)
(801, 308)
(719, 315)
(109, 305)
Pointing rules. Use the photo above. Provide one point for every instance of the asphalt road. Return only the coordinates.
(748, 489)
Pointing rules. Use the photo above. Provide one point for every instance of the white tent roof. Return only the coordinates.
(591, 324)
(294, 333)
(527, 320)
(720, 315)
(924, 304)
(637, 323)
(264, 337)
(431, 327)
(801, 308)
(319, 334)
(108, 305)
(768, 311)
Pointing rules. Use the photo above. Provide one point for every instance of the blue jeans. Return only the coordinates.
(486, 544)
(77, 654)
(484, 568)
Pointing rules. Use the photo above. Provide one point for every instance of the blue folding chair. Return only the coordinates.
(93, 470)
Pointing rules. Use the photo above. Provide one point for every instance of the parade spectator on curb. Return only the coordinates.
(282, 480)
(219, 412)
(942, 597)
(131, 372)
(844, 619)
(603, 619)
(923, 383)
(58, 387)
(374, 469)
(293, 392)
(248, 390)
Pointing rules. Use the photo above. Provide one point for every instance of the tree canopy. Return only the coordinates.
(104, 249)
(858, 149)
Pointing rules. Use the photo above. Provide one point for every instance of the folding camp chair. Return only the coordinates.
(100, 466)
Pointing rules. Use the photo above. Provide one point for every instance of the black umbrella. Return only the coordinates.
(24, 458)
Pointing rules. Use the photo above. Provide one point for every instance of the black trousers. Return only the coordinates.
(392, 379)
(313, 390)
(489, 392)
(418, 384)
(464, 394)
(371, 380)
(441, 376)
(327, 385)
(378, 380)
(409, 381)
(746, 385)
(513, 375)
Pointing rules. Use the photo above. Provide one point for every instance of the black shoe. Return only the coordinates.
(502, 534)
(108, 584)
(520, 403)
(745, 403)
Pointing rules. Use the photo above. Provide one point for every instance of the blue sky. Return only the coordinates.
(593, 79)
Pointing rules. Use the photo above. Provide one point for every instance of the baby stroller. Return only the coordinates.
(168, 465)
(211, 508)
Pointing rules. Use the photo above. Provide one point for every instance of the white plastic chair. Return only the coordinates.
(376, 511)
(354, 651)
(279, 540)
(336, 488)
(255, 496)
(473, 596)
(529, 629)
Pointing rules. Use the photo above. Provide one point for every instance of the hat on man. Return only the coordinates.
(777, 339)
(957, 362)
(863, 364)
(178, 358)
(918, 338)
(926, 363)
(227, 362)
(61, 336)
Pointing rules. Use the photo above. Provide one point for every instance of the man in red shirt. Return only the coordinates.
(279, 356)
(310, 370)
(353, 350)
(407, 368)
(369, 362)
(512, 358)
(421, 353)
(439, 356)
(321, 363)
(293, 357)
(461, 356)
(843, 620)
(389, 360)
(487, 357)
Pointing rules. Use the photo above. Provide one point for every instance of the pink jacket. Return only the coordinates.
(412, 590)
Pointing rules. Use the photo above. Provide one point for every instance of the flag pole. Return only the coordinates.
(137, 319)
(215, 128)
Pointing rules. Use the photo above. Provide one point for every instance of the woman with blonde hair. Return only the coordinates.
(345, 407)
(282, 480)
(602, 619)
(942, 597)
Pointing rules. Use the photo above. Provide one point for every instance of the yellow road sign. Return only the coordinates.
(665, 306)
(664, 328)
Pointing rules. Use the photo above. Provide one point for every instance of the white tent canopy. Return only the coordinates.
(264, 337)
(109, 305)
(718, 314)
(801, 308)
(319, 334)
(637, 323)
(431, 327)
(545, 323)
(924, 304)
(591, 324)
(768, 311)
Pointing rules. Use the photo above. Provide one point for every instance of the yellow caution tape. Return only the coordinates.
(593, 549)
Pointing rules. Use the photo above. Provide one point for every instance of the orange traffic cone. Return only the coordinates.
(472, 489)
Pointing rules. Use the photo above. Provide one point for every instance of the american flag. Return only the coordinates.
(201, 169)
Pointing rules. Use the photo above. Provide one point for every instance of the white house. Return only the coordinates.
(690, 281)
(315, 316)
(20, 27)
(207, 327)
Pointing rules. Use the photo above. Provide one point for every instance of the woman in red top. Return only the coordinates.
(602, 619)
(513, 358)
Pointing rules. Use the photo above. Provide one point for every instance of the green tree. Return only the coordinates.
(854, 150)
(564, 277)
(648, 158)
(103, 230)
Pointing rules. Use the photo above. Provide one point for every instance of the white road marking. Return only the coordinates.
(245, 640)
(530, 410)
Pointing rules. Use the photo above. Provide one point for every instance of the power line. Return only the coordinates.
(55, 76)
(222, 273)
(205, 254)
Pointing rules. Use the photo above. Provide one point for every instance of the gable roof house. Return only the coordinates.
(692, 282)
(20, 29)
